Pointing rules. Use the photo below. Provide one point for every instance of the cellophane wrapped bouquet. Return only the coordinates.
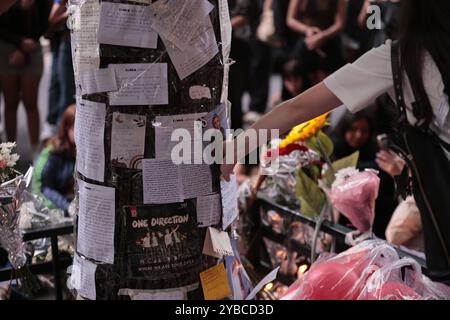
(371, 270)
(12, 185)
(354, 194)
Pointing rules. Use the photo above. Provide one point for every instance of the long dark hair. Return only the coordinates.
(61, 142)
(425, 25)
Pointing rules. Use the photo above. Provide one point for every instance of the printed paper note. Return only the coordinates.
(162, 182)
(128, 140)
(164, 127)
(140, 84)
(126, 25)
(96, 221)
(89, 133)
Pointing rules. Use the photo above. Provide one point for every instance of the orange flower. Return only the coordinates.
(305, 131)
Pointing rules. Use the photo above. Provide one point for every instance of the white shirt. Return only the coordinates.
(357, 85)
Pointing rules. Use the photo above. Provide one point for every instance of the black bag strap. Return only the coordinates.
(400, 99)
(398, 85)
(403, 123)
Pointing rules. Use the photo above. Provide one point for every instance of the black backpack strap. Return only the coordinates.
(398, 86)
(400, 99)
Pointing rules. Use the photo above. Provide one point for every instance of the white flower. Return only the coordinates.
(5, 154)
(343, 174)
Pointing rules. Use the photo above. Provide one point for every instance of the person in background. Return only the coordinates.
(319, 23)
(62, 83)
(295, 81)
(261, 21)
(21, 63)
(357, 132)
(53, 177)
(422, 49)
(355, 35)
(285, 37)
(240, 12)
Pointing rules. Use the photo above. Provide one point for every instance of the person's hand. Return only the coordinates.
(310, 31)
(227, 167)
(315, 41)
(17, 58)
(28, 45)
(226, 171)
(390, 162)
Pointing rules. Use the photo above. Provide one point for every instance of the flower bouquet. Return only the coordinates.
(12, 185)
(314, 172)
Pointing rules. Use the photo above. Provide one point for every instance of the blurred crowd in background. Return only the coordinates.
(292, 43)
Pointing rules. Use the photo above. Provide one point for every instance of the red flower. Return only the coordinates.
(288, 149)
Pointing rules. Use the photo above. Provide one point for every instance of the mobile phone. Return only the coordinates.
(383, 141)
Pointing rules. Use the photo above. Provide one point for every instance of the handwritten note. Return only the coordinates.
(217, 244)
(229, 201)
(126, 25)
(178, 21)
(128, 140)
(209, 210)
(96, 221)
(85, 48)
(202, 48)
(89, 133)
(140, 84)
(215, 283)
(94, 81)
(83, 277)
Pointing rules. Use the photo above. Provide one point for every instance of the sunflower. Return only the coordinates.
(305, 131)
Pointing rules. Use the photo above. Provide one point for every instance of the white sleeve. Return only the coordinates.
(358, 84)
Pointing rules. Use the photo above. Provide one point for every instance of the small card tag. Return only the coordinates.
(215, 283)
(217, 244)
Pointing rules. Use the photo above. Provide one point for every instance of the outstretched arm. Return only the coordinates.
(309, 105)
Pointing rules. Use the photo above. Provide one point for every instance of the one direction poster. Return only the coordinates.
(162, 241)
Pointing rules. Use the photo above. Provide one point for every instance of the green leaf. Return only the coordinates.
(311, 196)
(347, 162)
(325, 142)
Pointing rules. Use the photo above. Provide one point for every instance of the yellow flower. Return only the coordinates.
(305, 131)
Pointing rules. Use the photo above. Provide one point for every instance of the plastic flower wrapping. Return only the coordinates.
(11, 200)
(354, 194)
(371, 270)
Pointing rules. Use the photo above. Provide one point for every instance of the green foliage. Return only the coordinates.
(323, 140)
(312, 198)
(347, 162)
